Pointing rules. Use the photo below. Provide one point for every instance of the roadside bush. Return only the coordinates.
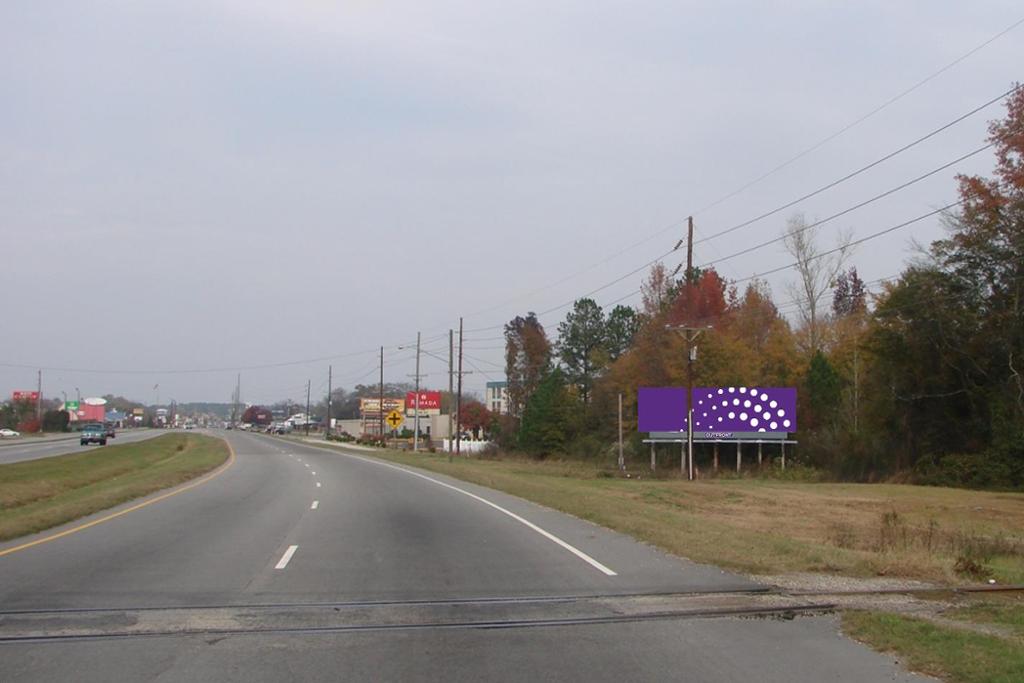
(56, 421)
(996, 468)
(343, 437)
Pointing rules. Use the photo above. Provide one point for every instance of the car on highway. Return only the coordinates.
(94, 433)
(8, 433)
(109, 426)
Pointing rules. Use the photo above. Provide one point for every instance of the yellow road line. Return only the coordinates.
(138, 506)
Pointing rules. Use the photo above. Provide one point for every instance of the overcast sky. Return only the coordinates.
(188, 188)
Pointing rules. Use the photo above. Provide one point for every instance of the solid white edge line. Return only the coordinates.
(551, 537)
(286, 558)
(315, 505)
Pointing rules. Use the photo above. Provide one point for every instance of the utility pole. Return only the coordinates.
(330, 372)
(308, 384)
(238, 398)
(690, 351)
(39, 399)
(451, 394)
(691, 334)
(458, 400)
(380, 406)
(856, 388)
(416, 402)
(622, 459)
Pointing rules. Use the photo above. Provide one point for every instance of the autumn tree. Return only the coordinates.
(948, 335)
(764, 349)
(527, 359)
(257, 415)
(985, 254)
(656, 291)
(700, 302)
(475, 417)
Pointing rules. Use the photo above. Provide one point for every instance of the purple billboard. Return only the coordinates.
(661, 409)
(744, 409)
(718, 409)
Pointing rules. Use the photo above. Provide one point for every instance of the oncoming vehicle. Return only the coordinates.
(94, 433)
(6, 433)
(109, 429)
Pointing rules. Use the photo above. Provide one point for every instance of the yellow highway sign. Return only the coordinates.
(395, 419)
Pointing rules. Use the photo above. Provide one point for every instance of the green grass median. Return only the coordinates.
(39, 494)
(950, 653)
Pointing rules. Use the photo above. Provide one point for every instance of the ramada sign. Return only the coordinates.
(718, 409)
(430, 402)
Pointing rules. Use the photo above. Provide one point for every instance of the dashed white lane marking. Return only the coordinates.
(307, 464)
(286, 558)
(315, 505)
(318, 484)
(313, 473)
(546, 534)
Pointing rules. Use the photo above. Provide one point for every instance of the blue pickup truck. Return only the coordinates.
(94, 433)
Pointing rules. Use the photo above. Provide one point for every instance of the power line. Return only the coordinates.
(860, 170)
(850, 209)
(853, 243)
(800, 155)
(861, 119)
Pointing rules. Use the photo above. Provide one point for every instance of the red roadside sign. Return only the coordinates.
(430, 402)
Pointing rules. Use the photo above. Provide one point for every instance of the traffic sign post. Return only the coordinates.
(394, 419)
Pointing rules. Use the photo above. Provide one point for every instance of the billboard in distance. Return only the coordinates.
(371, 406)
(430, 403)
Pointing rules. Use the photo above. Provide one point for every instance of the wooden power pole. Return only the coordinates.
(458, 400)
(451, 393)
(689, 347)
(330, 373)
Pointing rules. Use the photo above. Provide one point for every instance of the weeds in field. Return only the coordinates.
(970, 550)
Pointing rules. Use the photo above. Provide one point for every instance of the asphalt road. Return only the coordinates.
(301, 563)
(30, 449)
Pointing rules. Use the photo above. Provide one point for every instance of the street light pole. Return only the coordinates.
(308, 383)
(416, 402)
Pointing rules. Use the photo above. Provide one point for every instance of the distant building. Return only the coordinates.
(496, 397)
